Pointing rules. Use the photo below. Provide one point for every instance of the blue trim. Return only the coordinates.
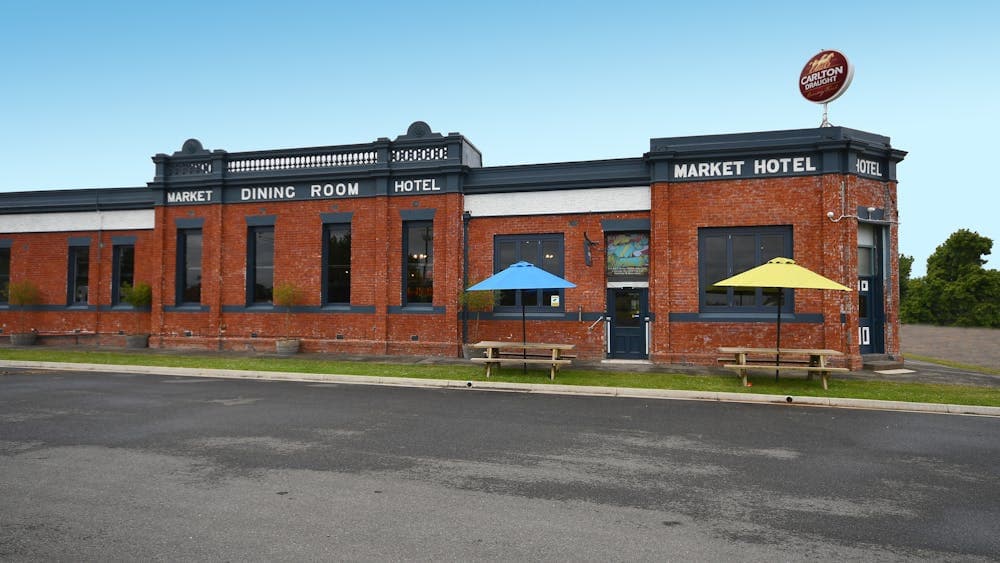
(809, 318)
(195, 223)
(536, 316)
(829, 150)
(307, 309)
(124, 308)
(6, 243)
(417, 214)
(50, 308)
(414, 310)
(608, 225)
(261, 220)
(625, 172)
(91, 199)
(343, 217)
(186, 309)
(128, 240)
(363, 309)
(79, 241)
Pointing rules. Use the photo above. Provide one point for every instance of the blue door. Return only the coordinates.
(871, 304)
(628, 314)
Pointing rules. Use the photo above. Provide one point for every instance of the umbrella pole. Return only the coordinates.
(524, 337)
(781, 294)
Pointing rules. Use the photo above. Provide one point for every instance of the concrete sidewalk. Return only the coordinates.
(556, 389)
(969, 346)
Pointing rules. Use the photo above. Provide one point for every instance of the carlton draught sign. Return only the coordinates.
(825, 77)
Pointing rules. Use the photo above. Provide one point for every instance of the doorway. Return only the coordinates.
(628, 316)
(871, 305)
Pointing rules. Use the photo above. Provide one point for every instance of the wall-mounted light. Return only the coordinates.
(830, 214)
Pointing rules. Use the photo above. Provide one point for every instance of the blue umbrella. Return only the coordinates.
(522, 275)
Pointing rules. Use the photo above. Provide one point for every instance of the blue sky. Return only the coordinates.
(91, 90)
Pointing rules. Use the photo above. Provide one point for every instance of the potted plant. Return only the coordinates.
(139, 296)
(476, 302)
(20, 296)
(287, 295)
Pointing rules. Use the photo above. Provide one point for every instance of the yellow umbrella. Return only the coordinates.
(781, 273)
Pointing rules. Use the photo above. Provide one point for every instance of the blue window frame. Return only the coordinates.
(544, 251)
(78, 276)
(4, 274)
(260, 265)
(123, 270)
(189, 266)
(727, 251)
(337, 262)
(418, 269)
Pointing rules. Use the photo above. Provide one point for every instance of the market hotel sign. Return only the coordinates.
(745, 168)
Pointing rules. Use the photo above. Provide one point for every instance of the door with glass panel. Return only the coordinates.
(871, 307)
(629, 317)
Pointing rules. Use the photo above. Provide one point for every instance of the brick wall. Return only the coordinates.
(376, 278)
(43, 259)
(587, 298)
(678, 210)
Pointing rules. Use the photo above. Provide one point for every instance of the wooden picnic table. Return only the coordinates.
(810, 360)
(497, 353)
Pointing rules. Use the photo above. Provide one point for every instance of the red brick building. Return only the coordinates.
(379, 239)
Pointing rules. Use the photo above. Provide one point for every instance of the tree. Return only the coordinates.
(905, 267)
(957, 290)
(960, 255)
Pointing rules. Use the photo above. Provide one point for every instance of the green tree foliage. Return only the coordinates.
(905, 267)
(957, 290)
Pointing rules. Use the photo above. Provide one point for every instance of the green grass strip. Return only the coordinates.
(762, 384)
(957, 365)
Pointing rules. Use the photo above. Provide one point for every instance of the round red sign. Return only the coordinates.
(825, 77)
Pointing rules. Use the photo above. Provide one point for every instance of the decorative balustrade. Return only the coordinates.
(189, 168)
(322, 160)
(420, 154)
(203, 164)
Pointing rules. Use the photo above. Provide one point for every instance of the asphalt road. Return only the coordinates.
(116, 467)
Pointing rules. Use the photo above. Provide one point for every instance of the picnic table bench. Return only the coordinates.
(498, 353)
(811, 361)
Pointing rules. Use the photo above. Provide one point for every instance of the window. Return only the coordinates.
(78, 276)
(4, 275)
(725, 252)
(866, 250)
(188, 266)
(123, 271)
(337, 280)
(418, 244)
(545, 252)
(260, 265)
